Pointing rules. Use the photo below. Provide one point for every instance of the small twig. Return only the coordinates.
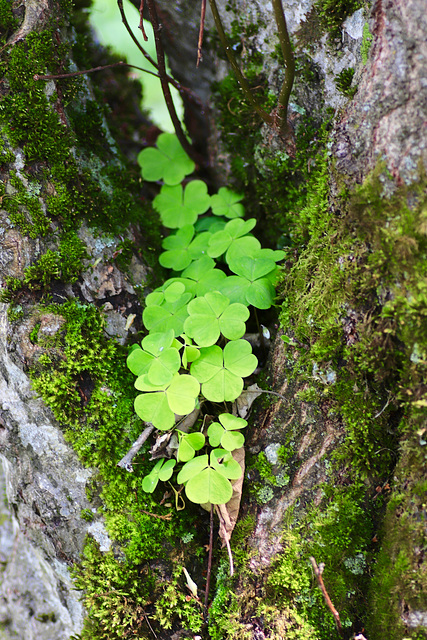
(132, 35)
(384, 407)
(208, 575)
(161, 67)
(201, 31)
(178, 86)
(148, 622)
(141, 21)
(126, 461)
(318, 574)
(188, 421)
(278, 118)
(168, 516)
(59, 76)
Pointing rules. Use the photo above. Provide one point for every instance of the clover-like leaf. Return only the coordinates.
(192, 468)
(221, 372)
(210, 223)
(168, 162)
(203, 272)
(209, 486)
(227, 203)
(182, 248)
(252, 281)
(157, 358)
(211, 315)
(203, 483)
(210, 482)
(159, 403)
(189, 352)
(162, 470)
(178, 207)
(177, 256)
(189, 443)
(224, 462)
(167, 315)
(222, 240)
(224, 432)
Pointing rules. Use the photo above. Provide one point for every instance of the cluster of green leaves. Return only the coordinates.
(194, 351)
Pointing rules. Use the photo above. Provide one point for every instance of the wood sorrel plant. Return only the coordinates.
(195, 351)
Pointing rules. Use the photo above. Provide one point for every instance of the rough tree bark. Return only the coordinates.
(336, 465)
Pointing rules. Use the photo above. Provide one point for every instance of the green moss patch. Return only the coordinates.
(83, 377)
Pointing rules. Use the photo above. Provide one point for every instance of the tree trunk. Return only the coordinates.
(336, 464)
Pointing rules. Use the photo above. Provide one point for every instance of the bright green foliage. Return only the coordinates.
(182, 248)
(204, 305)
(157, 358)
(168, 162)
(252, 284)
(178, 207)
(189, 443)
(159, 403)
(227, 203)
(189, 351)
(221, 371)
(161, 471)
(212, 315)
(204, 273)
(166, 314)
(210, 223)
(225, 432)
(209, 482)
(221, 241)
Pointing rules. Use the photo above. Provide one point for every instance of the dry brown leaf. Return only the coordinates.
(246, 399)
(228, 513)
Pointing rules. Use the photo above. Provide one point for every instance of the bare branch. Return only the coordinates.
(126, 461)
(201, 31)
(318, 573)
(161, 67)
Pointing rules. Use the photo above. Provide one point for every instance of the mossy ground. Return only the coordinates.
(83, 377)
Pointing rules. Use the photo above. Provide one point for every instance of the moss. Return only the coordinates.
(275, 185)
(116, 595)
(9, 20)
(354, 312)
(399, 587)
(173, 603)
(49, 182)
(366, 43)
(332, 13)
(64, 264)
(82, 376)
(343, 82)
(87, 515)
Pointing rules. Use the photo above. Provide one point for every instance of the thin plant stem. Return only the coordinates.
(318, 573)
(141, 20)
(161, 67)
(280, 117)
(232, 60)
(201, 31)
(60, 76)
(208, 575)
(132, 35)
(288, 56)
(178, 86)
